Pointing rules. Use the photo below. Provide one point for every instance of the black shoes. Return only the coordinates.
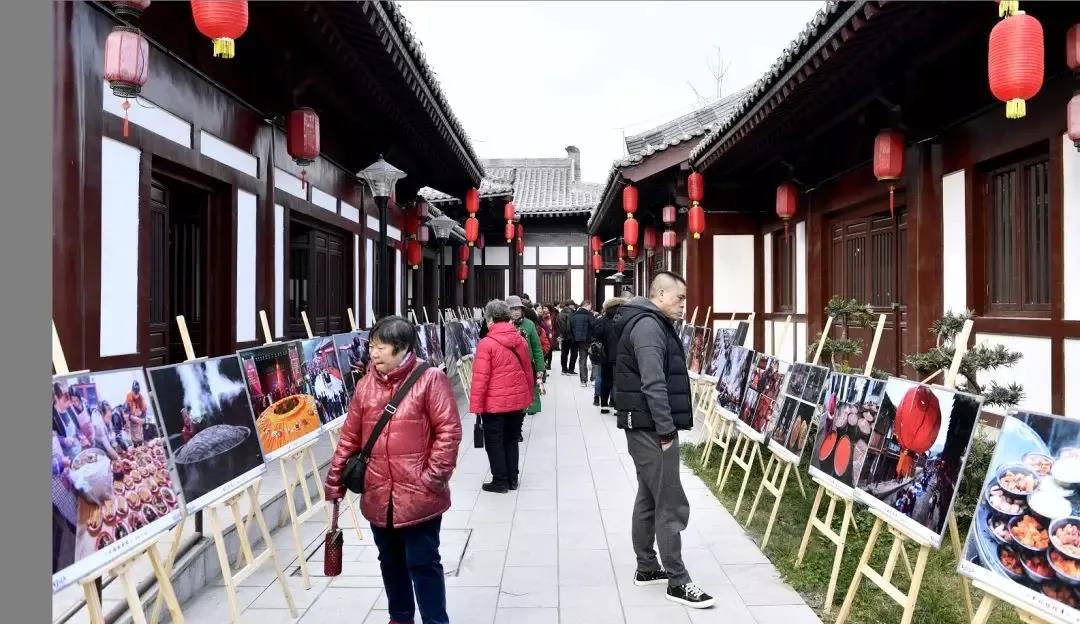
(658, 577)
(596, 400)
(496, 487)
(604, 410)
(690, 595)
(513, 484)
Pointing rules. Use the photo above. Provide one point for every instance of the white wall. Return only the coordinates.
(506, 281)
(246, 251)
(289, 183)
(323, 200)
(529, 256)
(954, 242)
(356, 277)
(800, 267)
(228, 154)
(119, 321)
(1032, 371)
(350, 212)
(558, 256)
(733, 272)
(529, 282)
(577, 256)
(279, 271)
(1072, 372)
(801, 341)
(767, 275)
(1071, 205)
(497, 256)
(577, 284)
(369, 286)
(148, 115)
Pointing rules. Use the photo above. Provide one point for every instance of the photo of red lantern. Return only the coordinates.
(303, 139)
(917, 423)
(223, 21)
(127, 57)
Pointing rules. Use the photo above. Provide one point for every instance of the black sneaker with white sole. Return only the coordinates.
(690, 595)
(658, 577)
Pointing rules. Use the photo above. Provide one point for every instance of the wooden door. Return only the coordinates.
(491, 284)
(160, 328)
(554, 285)
(868, 263)
(317, 281)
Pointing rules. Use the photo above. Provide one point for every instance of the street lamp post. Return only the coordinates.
(441, 226)
(381, 177)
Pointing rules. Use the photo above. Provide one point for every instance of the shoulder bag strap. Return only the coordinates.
(389, 411)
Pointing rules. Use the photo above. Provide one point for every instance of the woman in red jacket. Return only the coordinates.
(502, 388)
(406, 486)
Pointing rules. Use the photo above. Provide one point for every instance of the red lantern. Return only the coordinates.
(127, 56)
(670, 214)
(1073, 120)
(632, 252)
(463, 253)
(520, 246)
(421, 209)
(1015, 62)
(472, 201)
(597, 244)
(131, 9)
(669, 239)
(508, 214)
(472, 230)
(918, 420)
(696, 220)
(630, 199)
(303, 139)
(412, 223)
(223, 21)
(889, 161)
(462, 272)
(1072, 47)
(480, 241)
(630, 232)
(695, 186)
(597, 263)
(787, 198)
(621, 265)
(508, 232)
(414, 253)
(520, 231)
(649, 239)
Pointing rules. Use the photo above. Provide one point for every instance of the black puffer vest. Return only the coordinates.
(631, 406)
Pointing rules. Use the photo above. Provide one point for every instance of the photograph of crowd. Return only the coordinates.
(698, 349)
(112, 487)
(472, 335)
(763, 387)
(721, 351)
(353, 357)
(851, 406)
(324, 379)
(1023, 540)
(435, 354)
(275, 382)
(686, 335)
(916, 454)
(732, 379)
(209, 425)
(791, 420)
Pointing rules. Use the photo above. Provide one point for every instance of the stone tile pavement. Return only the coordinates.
(556, 551)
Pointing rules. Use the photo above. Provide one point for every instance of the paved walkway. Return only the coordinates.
(556, 551)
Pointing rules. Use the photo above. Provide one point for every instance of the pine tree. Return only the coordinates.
(837, 352)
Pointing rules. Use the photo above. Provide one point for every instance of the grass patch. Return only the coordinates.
(940, 598)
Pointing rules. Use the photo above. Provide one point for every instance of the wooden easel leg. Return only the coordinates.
(864, 560)
(319, 487)
(93, 603)
(834, 576)
(916, 584)
(169, 562)
(725, 437)
(132, 594)
(746, 476)
(776, 506)
(297, 542)
(165, 587)
(350, 500)
(226, 566)
(986, 607)
(267, 540)
(798, 480)
(241, 532)
(721, 477)
(765, 478)
(809, 526)
(954, 533)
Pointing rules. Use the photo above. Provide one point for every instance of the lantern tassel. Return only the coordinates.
(787, 232)
(303, 178)
(1007, 8)
(125, 105)
(224, 48)
(1015, 109)
(892, 205)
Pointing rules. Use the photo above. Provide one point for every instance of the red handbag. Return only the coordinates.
(334, 546)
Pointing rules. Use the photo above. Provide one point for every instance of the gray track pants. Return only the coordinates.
(661, 510)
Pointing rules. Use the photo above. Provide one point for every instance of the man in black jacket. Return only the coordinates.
(580, 322)
(566, 338)
(652, 403)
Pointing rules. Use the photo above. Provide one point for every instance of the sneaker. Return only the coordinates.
(584, 384)
(496, 487)
(690, 595)
(658, 577)
(596, 400)
(513, 484)
(604, 410)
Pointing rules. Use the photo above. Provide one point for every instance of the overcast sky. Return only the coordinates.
(530, 78)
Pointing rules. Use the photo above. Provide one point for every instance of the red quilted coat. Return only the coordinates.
(414, 456)
(502, 378)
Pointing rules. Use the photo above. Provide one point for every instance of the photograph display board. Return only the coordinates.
(1023, 540)
(353, 357)
(720, 352)
(209, 426)
(740, 332)
(472, 335)
(916, 455)
(454, 348)
(850, 408)
(422, 341)
(794, 413)
(113, 489)
(286, 417)
(686, 336)
(324, 379)
(698, 348)
(762, 390)
(435, 354)
(731, 383)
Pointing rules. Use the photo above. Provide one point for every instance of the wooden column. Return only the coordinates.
(925, 239)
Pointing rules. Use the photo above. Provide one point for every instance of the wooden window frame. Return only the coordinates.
(780, 244)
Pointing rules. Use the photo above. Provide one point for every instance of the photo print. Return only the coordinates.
(353, 357)
(422, 341)
(721, 351)
(112, 484)
(916, 455)
(731, 384)
(741, 330)
(794, 414)
(851, 406)
(472, 335)
(434, 345)
(686, 335)
(324, 379)
(1023, 538)
(763, 389)
(209, 426)
(702, 339)
(285, 415)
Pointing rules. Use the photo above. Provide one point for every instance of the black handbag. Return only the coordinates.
(478, 433)
(352, 476)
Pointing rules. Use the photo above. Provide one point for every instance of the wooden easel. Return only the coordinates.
(352, 319)
(884, 579)
(990, 599)
(294, 473)
(750, 330)
(465, 370)
(412, 317)
(121, 568)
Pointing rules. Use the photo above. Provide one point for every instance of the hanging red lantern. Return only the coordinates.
(509, 212)
(695, 186)
(669, 239)
(303, 139)
(917, 423)
(597, 263)
(1073, 120)
(480, 241)
(889, 161)
(462, 272)
(1072, 47)
(131, 9)
(620, 265)
(630, 232)
(520, 230)
(508, 232)
(422, 209)
(1015, 62)
(787, 198)
(630, 206)
(520, 246)
(463, 253)
(127, 56)
(695, 221)
(596, 243)
(412, 223)
(472, 201)
(414, 253)
(670, 214)
(472, 230)
(223, 21)
(649, 238)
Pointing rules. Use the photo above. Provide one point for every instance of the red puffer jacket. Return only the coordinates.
(414, 457)
(502, 378)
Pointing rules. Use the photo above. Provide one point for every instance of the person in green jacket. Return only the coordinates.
(528, 330)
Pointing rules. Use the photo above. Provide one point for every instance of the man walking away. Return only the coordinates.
(580, 321)
(566, 338)
(652, 403)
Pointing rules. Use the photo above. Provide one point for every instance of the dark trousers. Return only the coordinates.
(569, 354)
(501, 435)
(547, 359)
(661, 510)
(412, 570)
(582, 349)
(607, 383)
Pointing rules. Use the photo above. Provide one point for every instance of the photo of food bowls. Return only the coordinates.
(850, 406)
(1030, 514)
